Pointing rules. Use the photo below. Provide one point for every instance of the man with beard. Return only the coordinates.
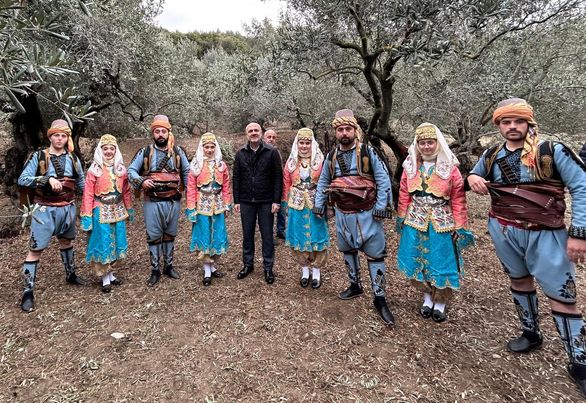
(356, 182)
(526, 179)
(53, 175)
(257, 183)
(270, 137)
(160, 170)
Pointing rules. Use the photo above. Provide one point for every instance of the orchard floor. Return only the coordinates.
(243, 340)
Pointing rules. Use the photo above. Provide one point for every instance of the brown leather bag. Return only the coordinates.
(46, 196)
(352, 194)
(534, 205)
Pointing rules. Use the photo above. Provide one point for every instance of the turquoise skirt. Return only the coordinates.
(430, 256)
(107, 242)
(209, 235)
(306, 232)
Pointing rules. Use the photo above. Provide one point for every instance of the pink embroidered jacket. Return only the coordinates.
(294, 194)
(447, 211)
(102, 186)
(202, 196)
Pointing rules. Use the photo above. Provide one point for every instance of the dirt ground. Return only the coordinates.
(243, 340)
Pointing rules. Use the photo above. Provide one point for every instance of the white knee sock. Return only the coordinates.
(111, 275)
(439, 306)
(106, 279)
(427, 301)
(213, 267)
(305, 272)
(207, 270)
(316, 275)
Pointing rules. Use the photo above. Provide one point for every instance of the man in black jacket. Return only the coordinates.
(257, 185)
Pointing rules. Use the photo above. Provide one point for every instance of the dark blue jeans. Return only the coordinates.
(281, 221)
(249, 212)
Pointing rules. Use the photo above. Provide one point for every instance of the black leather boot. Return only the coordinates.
(171, 272)
(269, 276)
(351, 292)
(28, 301)
(246, 270)
(527, 342)
(154, 278)
(74, 279)
(380, 303)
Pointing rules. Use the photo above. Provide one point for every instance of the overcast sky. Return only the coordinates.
(211, 15)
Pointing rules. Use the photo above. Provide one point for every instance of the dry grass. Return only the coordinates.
(242, 340)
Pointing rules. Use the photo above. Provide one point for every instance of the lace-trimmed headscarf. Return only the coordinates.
(97, 167)
(199, 157)
(445, 160)
(317, 157)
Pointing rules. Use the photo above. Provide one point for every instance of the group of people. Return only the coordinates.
(525, 176)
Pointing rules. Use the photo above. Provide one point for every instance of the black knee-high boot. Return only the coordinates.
(353, 268)
(527, 308)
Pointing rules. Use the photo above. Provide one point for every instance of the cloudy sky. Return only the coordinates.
(211, 15)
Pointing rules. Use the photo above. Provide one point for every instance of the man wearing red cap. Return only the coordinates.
(54, 175)
(526, 179)
(160, 170)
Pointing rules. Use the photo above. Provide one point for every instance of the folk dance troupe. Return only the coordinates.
(524, 176)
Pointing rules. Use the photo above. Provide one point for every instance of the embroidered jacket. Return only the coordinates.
(209, 192)
(428, 198)
(298, 192)
(98, 191)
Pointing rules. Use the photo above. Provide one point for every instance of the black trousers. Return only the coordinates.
(249, 212)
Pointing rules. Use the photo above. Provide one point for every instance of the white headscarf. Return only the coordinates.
(97, 167)
(199, 157)
(445, 158)
(317, 157)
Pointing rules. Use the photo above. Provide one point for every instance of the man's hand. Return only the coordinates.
(576, 250)
(56, 185)
(237, 208)
(275, 208)
(478, 184)
(148, 184)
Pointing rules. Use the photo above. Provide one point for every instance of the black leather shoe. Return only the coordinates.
(380, 303)
(107, 288)
(217, 274)
(116, 281)
(351, 292)
(304, 281)
(280, 235)
(170, 272)
(315, 283)
(578, 374)
(75, 279)
(28, 301)
(438, 316)
(154, 278)
(207, 281)
(425, 311)
(246, 270)
(525, 343)
(269, 276)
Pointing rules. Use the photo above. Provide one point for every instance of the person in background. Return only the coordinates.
(270, 137)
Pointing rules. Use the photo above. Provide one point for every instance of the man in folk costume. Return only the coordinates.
(209, 199)
(307, 234)
(432, 220)
(105, 207)
(526, 179)
(160, 170)
(357, 184)
(54, 176)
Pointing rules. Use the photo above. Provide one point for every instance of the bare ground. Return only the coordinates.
(242, 340)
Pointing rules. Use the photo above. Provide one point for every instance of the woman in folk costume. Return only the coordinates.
(209, 199)
(106, 204)
(433, 221)
(306, 233)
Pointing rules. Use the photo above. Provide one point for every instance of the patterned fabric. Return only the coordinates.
(377, 270)
(306, 232)
(572, 331)
(107, 241)
(527, 307)
(209, 235)
(29, 271)
(52, 221)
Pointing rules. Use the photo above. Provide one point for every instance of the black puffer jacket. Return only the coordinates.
(257, 176)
